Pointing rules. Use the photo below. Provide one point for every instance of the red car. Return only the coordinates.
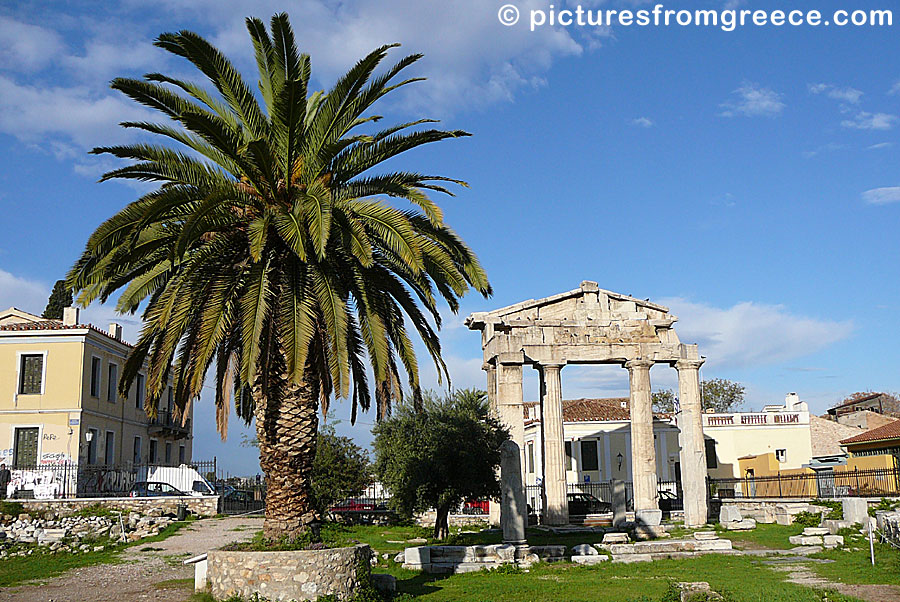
(477, 507)
(352, 505)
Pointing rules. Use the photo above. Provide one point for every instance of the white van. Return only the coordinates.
(184, 478)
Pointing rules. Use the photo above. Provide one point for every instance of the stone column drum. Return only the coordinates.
(693, 447)
(643, 450)
(557, 508)
(513, 507)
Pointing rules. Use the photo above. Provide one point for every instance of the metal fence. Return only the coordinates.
(69, 480)
(670, 495)
(882, 482)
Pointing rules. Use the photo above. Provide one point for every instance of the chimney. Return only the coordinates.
(70, 316)
(791, 401)
(115, 331)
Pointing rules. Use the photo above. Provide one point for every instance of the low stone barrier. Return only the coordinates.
(206, 505)
(283, 576)
(464, 559)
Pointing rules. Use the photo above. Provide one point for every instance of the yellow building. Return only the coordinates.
(59, 399)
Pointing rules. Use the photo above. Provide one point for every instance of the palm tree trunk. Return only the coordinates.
(286, 427)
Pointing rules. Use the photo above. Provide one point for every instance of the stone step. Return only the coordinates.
(674, 545)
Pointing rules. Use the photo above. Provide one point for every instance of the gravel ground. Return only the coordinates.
(137, 577)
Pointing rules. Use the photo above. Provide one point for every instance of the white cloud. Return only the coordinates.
(27, 295)
(882, 196)
(644, 122)
(880, 146)
(25, 47)
(753, 100)
(470, 58)
(848, 95)
(65, 120)
(870, 121)
(752, 334)
(895, 89)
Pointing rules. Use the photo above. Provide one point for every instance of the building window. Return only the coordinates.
(95, 377)
(92, 446)
(168, 453)
(169, 402)
(711, 461)
(569, 462)
(31, 374)
(25, 452)
(139, 390)
(181, 452)
(136, 456)
(781, 455)
(112, 383)
(530, 458)
(110, 453)
(589, 459)
(153, 451)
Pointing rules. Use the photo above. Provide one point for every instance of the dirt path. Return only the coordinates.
(144, 567)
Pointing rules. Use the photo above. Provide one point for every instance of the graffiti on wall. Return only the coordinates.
(43, 483)
(101, 479)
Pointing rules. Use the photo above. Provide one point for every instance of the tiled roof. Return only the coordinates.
(827, 434)
(55, 325)
(888, 431)
(595, 410)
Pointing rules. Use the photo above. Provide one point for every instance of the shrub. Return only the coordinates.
(835, 509)
(807, 519)
(884, 504)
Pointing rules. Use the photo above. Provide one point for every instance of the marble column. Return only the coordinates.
(557, 508)
(509, 401)
(693, 448)
(643, 452)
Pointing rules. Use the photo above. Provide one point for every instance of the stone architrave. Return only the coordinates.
(513, 507)
(619, 503)
(693, 447)
(588, 325)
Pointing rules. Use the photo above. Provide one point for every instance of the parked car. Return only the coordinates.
(476, 507)
(352, 505)
(154, 489)
(183, 478)
(585, 503)
(668, 501)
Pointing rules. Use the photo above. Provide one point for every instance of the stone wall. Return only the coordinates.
(283, 576)
(199, 505)
(426, 519)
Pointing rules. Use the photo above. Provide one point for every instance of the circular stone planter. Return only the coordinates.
(283, 576)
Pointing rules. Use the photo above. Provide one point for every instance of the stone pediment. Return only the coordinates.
(587, 324)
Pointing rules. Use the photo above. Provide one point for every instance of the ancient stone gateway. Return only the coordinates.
(590, 325)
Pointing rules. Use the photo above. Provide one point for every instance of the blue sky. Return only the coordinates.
(749, 179)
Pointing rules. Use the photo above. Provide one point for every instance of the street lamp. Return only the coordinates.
(620, 458)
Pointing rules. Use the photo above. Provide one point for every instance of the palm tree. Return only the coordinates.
(269, 250)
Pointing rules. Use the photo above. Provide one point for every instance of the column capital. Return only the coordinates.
(552, 365)
(685, 364)
(638, 363)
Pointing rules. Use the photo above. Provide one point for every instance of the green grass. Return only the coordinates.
(741, 579)
(19, 569)
(772, 536)
(855, 566)
(42, 566)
